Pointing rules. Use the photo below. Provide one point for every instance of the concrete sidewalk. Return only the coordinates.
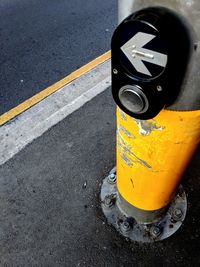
(49, 201)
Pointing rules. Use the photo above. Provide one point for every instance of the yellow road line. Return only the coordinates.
(51, 89)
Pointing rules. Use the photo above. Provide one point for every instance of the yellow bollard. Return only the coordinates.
(152, 156)
(141, 198)
(156, 89)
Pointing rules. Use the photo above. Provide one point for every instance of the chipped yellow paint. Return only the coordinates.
(150, 166)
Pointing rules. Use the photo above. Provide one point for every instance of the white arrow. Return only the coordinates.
(134, 51)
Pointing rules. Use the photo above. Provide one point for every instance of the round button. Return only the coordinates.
(133, 99)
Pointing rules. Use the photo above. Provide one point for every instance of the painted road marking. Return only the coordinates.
(39, 118)
(136, 54)
(52, 89)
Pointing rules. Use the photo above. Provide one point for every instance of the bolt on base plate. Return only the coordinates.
(128, 227)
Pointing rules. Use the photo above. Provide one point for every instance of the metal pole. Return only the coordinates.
(152, 155)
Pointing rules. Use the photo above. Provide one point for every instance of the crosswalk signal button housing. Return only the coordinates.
(150, 53)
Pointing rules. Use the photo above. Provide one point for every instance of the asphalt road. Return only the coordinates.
(50, 212)
(43, 41)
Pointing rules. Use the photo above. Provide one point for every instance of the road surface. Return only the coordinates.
(43, 41)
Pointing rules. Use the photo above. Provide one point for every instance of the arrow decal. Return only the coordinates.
(136, 54)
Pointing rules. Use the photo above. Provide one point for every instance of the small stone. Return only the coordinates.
(84, 185)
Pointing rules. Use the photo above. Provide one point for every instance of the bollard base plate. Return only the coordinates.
(127, 225)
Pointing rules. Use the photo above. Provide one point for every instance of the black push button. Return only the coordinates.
(133, 99)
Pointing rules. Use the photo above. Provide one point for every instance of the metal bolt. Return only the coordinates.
(177, 214)
(112, 178)
(155, 231)
(159, 88)
(115, 71)
(109, 201)
(125, 226)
